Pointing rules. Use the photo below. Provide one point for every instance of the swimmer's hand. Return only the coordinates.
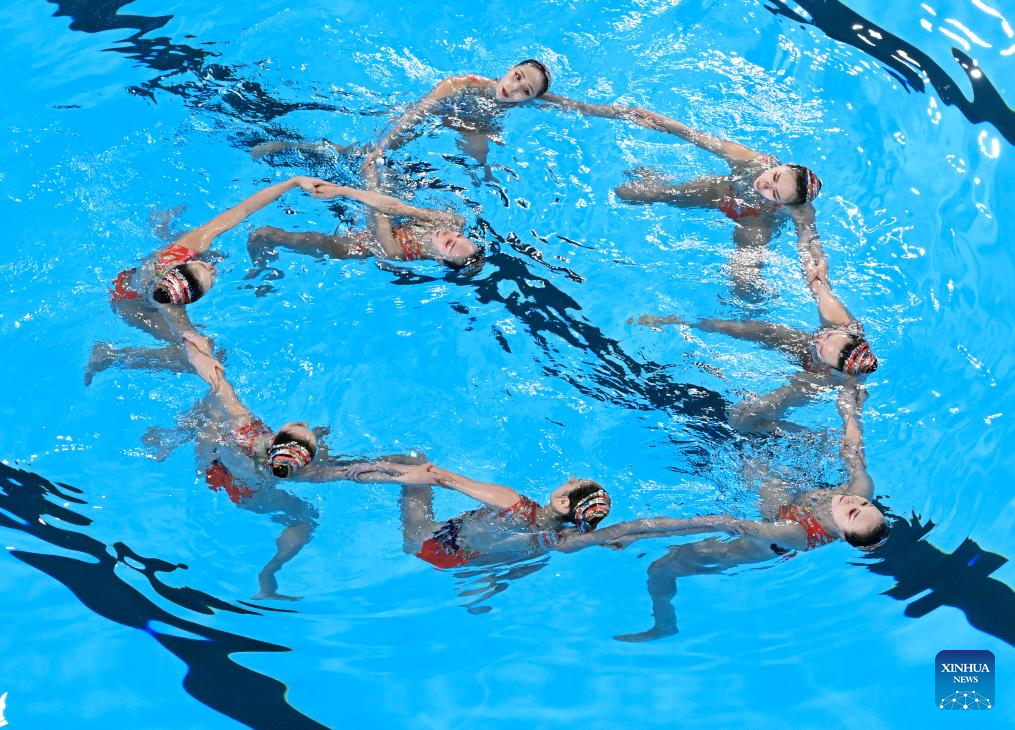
(815, 272)
(202, 360)
(327, 191)
(375, 155)
(645, 118)
(308, 184)
(423, 473)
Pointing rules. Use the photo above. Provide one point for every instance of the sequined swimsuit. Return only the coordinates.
(172, 255)
(218, 476)
(816, 534)
(445, 549)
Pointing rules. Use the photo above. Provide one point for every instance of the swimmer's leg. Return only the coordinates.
(647, 186)
(288, 544)
(263, 245)
(300, 520)
(325, 146)
(142, 315)
(161, 223)
(765, 414)
(417, 516)
(105, 356)
(748, 258)
(696, 558)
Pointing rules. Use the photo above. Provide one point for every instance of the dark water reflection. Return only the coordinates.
(907, 63)
(213, 678)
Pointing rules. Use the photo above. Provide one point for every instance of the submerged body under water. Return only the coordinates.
(523, 373)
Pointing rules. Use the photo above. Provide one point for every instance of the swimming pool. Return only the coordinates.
(525, 373)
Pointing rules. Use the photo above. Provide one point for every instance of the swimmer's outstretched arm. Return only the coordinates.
(200, 239)
(777, 336)
(850, 404)
(730, 151)
(425, 473)
(832, 311)
(420, 109)
(624, 533)
(609, 111)
(494, 495)
(383, 469)
(179, 320)
(388, 205)
(211, 371)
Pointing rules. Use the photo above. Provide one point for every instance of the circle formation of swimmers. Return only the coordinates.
(248, 459)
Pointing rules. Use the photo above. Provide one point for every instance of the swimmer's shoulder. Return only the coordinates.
(465, 81)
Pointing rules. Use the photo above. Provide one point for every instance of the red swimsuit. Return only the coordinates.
(445, 551)
(218, 476)
(816, 534)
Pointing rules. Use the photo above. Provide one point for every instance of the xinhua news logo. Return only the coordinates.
(964, 680)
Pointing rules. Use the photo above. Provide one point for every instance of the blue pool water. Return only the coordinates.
(526, 373)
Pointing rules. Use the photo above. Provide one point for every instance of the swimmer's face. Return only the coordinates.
(852, 513)
(778, 184)
(519, 84)
(828, 346)
(205, 274)
(452, 246)
(560, 499)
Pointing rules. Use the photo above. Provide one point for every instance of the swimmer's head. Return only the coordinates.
(846, 352)
(291, 449)
(861, 523)
(184, 283)
(581, 501)
(454, 250)
(788, 184)
(523, 81)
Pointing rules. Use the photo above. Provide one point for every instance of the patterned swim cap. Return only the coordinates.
(285, 459)
(589, 506)
(860, 360)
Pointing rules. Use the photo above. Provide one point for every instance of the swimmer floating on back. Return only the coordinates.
(426, 233)
(758, 190)
(469, 105)
(154, 296)
(247, 459)
(838, 347)
(509, 526)
(812, 519)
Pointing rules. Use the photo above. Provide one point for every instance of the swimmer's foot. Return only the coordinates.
(264, 596)
(650, 635)
(264, 234)
(103, 356)
(647, 175)
(161, 442)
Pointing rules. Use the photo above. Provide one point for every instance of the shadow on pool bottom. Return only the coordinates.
(961, 579)
(212, 678)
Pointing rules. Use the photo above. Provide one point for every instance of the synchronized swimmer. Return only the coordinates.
(251, 462)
